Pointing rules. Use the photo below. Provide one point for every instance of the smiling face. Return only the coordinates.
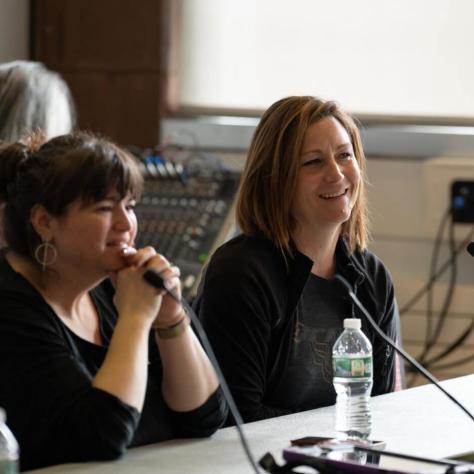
(89, 238)
(328, 177)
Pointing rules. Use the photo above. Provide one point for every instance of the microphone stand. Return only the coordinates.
(399, 350)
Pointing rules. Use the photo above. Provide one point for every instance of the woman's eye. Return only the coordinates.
(104, 206)
(130, 205)
(345, 155)
(313, 161)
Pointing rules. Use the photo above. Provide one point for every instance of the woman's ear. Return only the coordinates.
(41, 221)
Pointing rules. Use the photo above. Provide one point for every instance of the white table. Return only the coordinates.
(421, 421)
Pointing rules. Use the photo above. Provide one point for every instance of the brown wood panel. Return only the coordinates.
(124, 107)
(114, 55)
(46, 25)
(100, 34)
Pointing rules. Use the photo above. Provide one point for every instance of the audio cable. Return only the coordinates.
(461, 247)
(431, 336)
(453, 346)
(155, 280)
(436, 321)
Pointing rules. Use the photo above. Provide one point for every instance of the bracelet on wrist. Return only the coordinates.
(173, 331)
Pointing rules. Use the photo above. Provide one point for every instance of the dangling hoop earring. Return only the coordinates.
(45, 254)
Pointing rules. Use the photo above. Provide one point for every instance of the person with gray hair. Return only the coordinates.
(33, 98)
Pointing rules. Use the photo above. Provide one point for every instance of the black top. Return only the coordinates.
(52, 408)
(308, 371)
(272, 326)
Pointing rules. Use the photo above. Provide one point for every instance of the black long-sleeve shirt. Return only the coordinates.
(52, 408)
(269, 328)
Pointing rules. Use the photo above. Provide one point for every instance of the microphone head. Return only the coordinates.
(470, 249)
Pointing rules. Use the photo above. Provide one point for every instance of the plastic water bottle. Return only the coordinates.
(8, 448)
(352, 371)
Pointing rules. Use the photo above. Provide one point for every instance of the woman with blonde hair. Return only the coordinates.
(268, 301)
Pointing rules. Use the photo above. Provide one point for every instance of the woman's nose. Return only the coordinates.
(123, 219)
(333, 171)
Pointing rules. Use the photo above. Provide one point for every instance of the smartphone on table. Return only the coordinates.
(358, 459)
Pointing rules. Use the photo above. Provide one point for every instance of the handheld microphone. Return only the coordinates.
(470, 249)
(155, 280)
(399, 350)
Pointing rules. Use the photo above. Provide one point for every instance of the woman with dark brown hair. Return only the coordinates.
(92, 358)
(268, 301)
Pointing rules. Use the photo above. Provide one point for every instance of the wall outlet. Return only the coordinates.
(462, 201)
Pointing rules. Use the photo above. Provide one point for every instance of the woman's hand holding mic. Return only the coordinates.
(140, 307)
(134, 295)
(188, 376)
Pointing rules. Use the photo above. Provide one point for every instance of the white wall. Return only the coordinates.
(14, 30)
(403, 57)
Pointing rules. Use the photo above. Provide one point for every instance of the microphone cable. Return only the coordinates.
(454, 345)
(432, 335)
(434, 329)
(415, 298)
(457, 342)
(399, 350)
(455, 363)
(155, 280)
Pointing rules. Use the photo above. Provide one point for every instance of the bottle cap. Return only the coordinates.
(352, 323)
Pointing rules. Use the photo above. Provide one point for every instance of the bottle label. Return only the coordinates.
(352, 366)
(8, 466)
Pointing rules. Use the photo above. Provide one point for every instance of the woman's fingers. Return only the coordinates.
(172, 283)
(138, 257)
(160, 264)
(176, 270)
(127, 252)
(166, 272)
(147, 256)
(169, 275)
(150, 260)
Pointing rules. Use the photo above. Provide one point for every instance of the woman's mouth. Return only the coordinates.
(119, 244)
(334, 195)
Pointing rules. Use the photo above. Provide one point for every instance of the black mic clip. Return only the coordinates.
(470, 249)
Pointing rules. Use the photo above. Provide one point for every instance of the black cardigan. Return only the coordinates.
(249, 303)
(53, 410)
